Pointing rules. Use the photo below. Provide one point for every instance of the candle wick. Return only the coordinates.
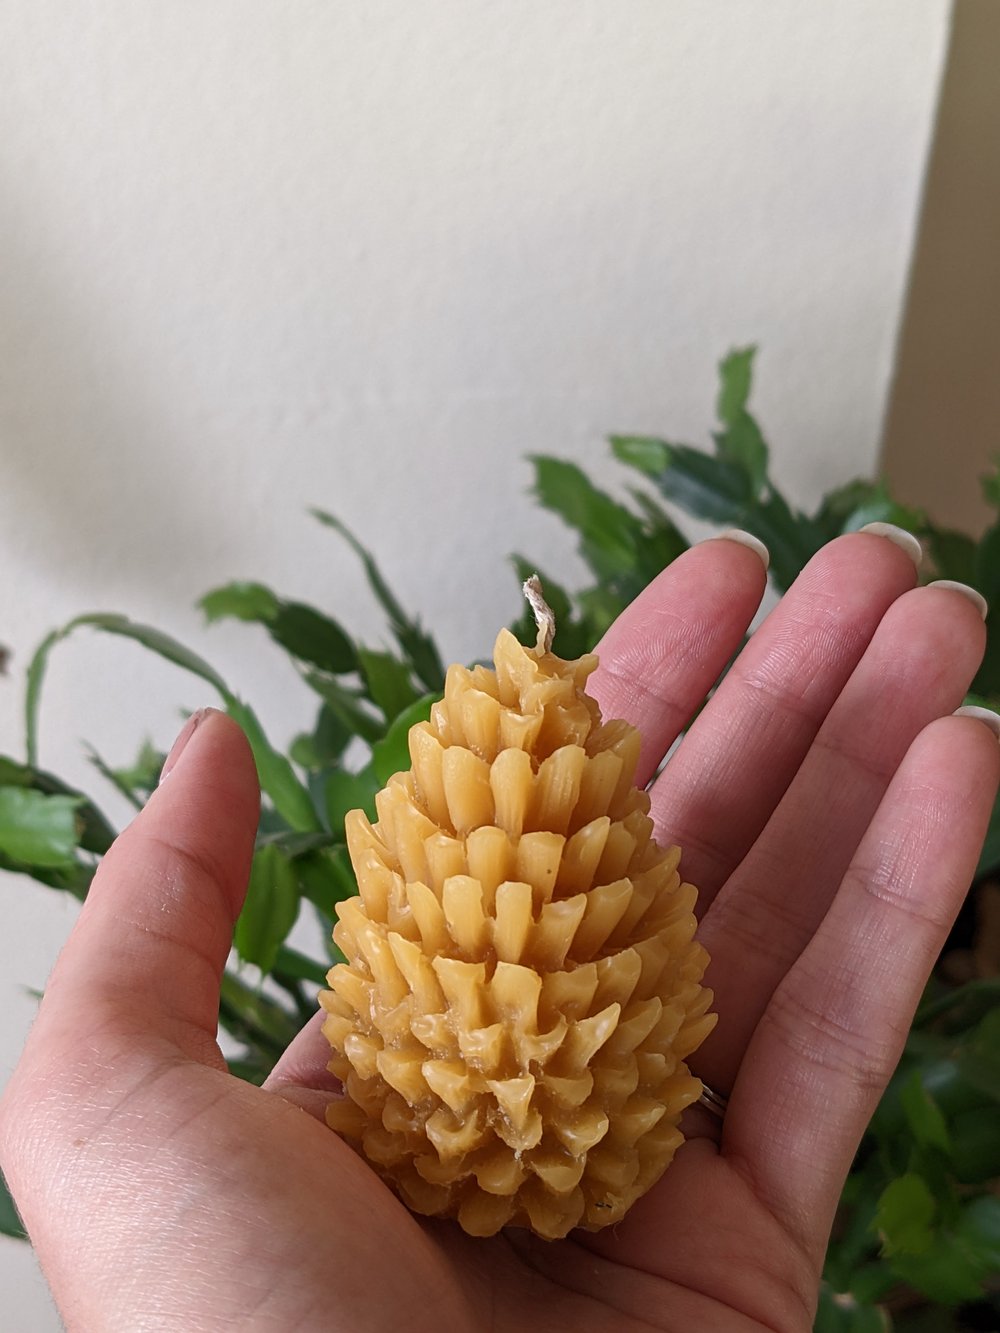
(544, 615)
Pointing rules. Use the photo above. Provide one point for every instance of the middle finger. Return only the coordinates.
(917, 669)
(721, 787)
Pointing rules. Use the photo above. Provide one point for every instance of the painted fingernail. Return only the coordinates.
(984, 715)
(976, 598)
(183, 736)
(903, 539)
(747, 539)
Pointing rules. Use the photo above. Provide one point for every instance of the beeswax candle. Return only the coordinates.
(522, 987)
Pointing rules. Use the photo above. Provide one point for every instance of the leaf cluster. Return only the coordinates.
(918, 1233)
(626, 545)
(920, 1215)
(364, 701)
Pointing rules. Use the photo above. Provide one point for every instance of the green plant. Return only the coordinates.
(919, 1226)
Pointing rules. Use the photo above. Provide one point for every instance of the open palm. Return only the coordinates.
(830, 812)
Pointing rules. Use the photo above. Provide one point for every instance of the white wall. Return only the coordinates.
(261, 255)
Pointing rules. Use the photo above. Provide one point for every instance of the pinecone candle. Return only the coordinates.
(522, 987)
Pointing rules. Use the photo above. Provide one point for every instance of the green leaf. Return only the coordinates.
(735, 379)
(73, 877)
(953, 554)
(349, 791)
(712, 488)
(392, 753)
(96, 833)
(980, 1224)
(743, 444)
(295, 845)
(326, 877)
(660, 526)
(240, 601)
(990, 483)
(106, 771)
(853, 1240)
(842, 501)
(641, 452)
(947, 1084)
(660, 541)
(958, 1008)
(291, 963)
(38, 830)
(15, 774)
(883, 509)
(962, 1259)
(601, 608)
(253, 1017)
(849, 507)
(988, 564)
(156, 641)
(142, 776)
(871, 1283)
(790, 536)
(137, 782)
(331, 735)
(418, 646)
(153, 639)
(313, 637)
(979, 1062)
(10, 1222)
(906, 1210)
(325, 744)
(976, 1150)
(270, 909)
(609, 533)
(276, 775)
(924, 1115)
(347, 706)
(388, 681)
(308, 634)
(33, 691)
(302, 751)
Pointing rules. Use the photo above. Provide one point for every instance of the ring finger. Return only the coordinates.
(917, 668)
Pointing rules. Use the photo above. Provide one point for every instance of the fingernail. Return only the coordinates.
(183, 736)
(976, 598)
(749, 540)
(903, 539)
(984, 715)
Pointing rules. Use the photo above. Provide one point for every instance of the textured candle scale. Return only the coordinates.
(522, 986)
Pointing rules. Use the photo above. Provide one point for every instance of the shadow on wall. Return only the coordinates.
(943, 417)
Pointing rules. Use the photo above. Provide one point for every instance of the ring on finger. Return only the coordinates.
(713, 1101)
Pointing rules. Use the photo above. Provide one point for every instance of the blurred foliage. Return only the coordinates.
(916, 1245)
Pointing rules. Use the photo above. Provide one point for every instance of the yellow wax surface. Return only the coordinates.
(522, 987)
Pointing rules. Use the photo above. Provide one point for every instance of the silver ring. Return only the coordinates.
(713, 1101)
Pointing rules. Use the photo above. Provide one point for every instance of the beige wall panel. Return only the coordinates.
(943, 419)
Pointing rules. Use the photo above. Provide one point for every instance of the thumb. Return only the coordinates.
(151, 942)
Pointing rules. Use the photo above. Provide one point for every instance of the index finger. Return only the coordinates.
(668, 648)
(153, 936)
(719, 790)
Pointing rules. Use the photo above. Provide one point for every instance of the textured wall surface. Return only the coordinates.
(255, 256)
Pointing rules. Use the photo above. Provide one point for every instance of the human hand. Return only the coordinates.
(829, 811)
